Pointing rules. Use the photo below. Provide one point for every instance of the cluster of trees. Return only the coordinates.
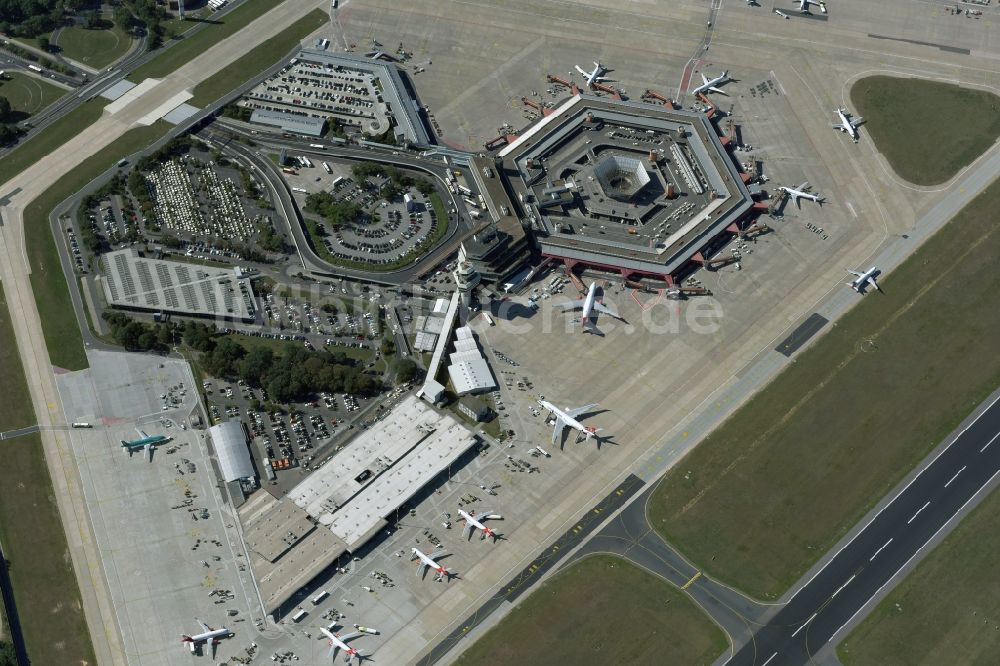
(150, 16)
(7, 655)
(336, 213)
(294, 374)
(137, 336)
(399, 181)
(8, 131)
(28, 18)
(405, 369)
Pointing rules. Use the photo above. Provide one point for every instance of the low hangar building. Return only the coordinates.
(625, 186)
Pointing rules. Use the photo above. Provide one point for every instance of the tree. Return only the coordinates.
(7, 656)
(122, 18)
(43, 44)
(406, 370)
(4, 110)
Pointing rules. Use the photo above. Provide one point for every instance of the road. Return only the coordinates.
(14, 272)
(901, 531)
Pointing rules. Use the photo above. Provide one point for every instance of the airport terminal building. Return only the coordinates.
(625, 186)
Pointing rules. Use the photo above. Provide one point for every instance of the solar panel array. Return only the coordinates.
(170, 286)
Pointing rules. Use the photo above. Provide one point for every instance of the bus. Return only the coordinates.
(317, 146)
(327, 168)
(293, 172)
(323, 594)
(300, 190)
(35, 68)
(488, 318)
(298, 617)
(464, 190)
(82, 424)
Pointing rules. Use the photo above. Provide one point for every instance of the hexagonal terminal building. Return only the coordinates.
(626, 186)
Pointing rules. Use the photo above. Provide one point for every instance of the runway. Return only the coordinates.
(941, 492)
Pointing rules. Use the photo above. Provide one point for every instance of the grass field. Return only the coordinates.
(947, 611)
(62, 334)
(45, 589)
(928, 131)
(54, 136)
(97, 48)
(601, 610)
(256, 60)
(28, 95)
(188, 48)
(775, 486)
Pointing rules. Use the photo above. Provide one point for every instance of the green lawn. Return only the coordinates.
(62, 334)
(54, 136)
(947, 611)
(97, 48)
(257, 59)
(45, 588)
(28, 94)
(187, 48)
(601, 610)
(777, 484)
(927, 130)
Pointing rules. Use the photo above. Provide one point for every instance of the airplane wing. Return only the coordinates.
(873, 283)
(488, 515)
(803, 187)
(600, 307)
(857, 121)
(570, 305)
(467, 531)
(580, 69)
(204, 627)
(720, 91)
(854, 273)
(142, 433)
(580, 410)
(557, 429)
(704, 79)
(347, 637)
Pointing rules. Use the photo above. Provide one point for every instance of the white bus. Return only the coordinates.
(327, 168)
(317, 146)
(299, 615)
(300, 190)
(323, 594)
(488, 318)
(82, 424)
(464, 190)
(35, 68)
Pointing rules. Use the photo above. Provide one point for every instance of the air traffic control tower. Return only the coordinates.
(625, 186)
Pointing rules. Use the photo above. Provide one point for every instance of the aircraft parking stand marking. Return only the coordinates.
(538, 568)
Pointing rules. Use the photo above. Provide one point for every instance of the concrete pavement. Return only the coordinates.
(14, 272)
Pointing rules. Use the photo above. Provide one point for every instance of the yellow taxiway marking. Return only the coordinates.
(695, 577)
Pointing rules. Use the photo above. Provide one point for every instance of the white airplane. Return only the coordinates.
(596, 75)
(847, 124)
(589, 304)
(567, 418)
(710, 85)
(804, 5)
(802, 192)
(782, 14)
(427, 562)
(752, 3)
(338, 642)
(207, 635)
(862, 281)
(473, 523)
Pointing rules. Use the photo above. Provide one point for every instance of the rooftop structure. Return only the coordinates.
(409, 125)
(469, 371)
(625, 186)
(345, 502)
(230, 443)
(432, 390)
(289, 122)
(132, 282)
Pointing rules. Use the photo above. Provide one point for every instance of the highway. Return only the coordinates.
(900, 531)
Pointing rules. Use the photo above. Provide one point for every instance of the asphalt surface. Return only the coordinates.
(899, 532)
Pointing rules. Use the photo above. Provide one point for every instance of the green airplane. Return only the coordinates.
(146, 442)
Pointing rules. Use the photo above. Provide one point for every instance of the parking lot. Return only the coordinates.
(350, 97)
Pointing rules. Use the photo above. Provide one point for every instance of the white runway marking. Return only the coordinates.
(880, 550)
(955, 477)
(918, 512)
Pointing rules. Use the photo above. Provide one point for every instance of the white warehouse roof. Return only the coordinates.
(472, 376)
(231, 447)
